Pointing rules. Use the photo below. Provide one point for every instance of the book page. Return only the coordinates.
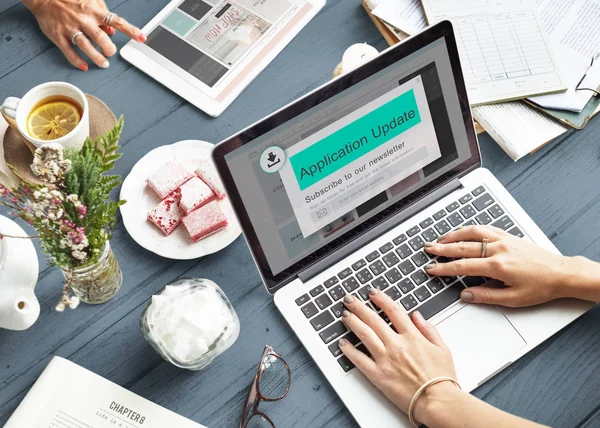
(503, 48)
(517, 128)
(573, 30)
(69, 396)
(406, 15)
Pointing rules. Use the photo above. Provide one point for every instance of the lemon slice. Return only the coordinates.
(53, 120)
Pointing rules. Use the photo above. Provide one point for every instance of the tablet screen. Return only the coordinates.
(215, 41)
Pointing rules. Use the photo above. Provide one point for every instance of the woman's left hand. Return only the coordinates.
(400, 361)
(59, 20)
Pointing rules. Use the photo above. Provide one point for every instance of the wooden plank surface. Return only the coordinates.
(556, 384)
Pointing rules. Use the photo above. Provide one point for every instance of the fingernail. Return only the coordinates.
(83, 67)
(429, 244)
(442, 237)
(105, 64)
(459, 227)
(430, 265)
(142, 38)
(373, 291)
(342, 342)
(345, 314)
(348, 298)
(418, 315)
(466, 296)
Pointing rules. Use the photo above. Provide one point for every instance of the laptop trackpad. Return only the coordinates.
(481, 340)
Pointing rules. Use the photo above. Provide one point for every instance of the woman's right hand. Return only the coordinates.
(531, 274)
(59, 20)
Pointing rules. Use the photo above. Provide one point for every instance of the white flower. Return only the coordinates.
(37, 194)
(45, 221)
(51, 216)
(49, 163)
(72, 197)
(74, 302)
(79, 255)
(39, 214)
(59, 213)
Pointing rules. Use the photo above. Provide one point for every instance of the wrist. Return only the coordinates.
(435, 402)
(33, 5)
(579, 278)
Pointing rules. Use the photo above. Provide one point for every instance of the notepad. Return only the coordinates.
(503, 49)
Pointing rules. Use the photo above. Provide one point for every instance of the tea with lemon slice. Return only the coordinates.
(53, 118)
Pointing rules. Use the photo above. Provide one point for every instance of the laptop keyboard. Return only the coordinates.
(397, 269)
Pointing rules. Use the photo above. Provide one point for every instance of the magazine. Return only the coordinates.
(68, 396)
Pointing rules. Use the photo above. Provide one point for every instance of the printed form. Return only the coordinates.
(503, 49)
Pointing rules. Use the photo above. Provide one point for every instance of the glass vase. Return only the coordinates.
(97, 283)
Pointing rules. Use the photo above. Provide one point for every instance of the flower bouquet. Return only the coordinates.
(73, 214)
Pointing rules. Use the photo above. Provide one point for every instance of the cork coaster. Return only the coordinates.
(18, 155)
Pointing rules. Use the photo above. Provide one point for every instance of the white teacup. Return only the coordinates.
(16, 111)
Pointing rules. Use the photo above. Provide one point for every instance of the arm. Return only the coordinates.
(403, 360)
(59, 20)
(582, 279)
(531, 275)
(446, 406)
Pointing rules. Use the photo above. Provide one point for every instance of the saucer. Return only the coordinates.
(140, 200)
(19, 155)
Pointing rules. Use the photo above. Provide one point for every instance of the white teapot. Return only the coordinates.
(19, 308)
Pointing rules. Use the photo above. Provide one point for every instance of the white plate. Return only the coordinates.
(140, 200)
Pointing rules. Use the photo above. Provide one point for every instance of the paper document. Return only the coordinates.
(516, 127)
(69, 396)
(406, 15)
(503, 49)
(574, 34)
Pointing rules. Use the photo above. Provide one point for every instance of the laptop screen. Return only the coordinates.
(325, 175)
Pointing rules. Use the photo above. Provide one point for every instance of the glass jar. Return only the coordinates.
(190, 322)
(97, 283)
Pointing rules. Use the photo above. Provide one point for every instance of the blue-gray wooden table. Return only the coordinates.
(559, 186)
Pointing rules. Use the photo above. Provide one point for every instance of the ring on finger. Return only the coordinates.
(484, 243)
(75, 35)
(108, 18)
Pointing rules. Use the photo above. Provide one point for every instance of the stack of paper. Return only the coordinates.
(518, 129)
(513, 49)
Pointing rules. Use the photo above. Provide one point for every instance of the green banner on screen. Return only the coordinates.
(356, 139)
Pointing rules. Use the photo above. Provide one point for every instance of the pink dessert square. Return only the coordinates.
(194, 194)
(209, 175)
(205, 220)
(169, 177)
(167, 215)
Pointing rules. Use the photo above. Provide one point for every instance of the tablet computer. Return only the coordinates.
(208, 51)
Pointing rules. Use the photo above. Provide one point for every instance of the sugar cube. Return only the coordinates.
(205, 220)
(194, 194)
(167, 215)
(169, 177)
(209, 175)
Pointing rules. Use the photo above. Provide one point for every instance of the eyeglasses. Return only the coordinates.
(271, 383)
(578, 88)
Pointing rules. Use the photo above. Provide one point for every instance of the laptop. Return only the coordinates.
(339, 190)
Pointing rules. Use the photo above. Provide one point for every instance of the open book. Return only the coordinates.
(69, 396)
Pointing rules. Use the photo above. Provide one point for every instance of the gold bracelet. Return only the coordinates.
(413, 401)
